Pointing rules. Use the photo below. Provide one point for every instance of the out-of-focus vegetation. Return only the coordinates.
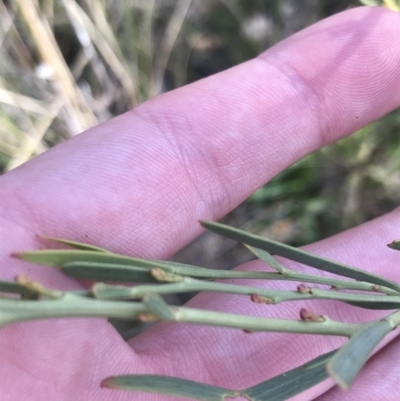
(66, 65)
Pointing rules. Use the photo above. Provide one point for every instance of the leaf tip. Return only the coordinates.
(108, 382)
(395, 245)
(17, 255)
(336, 377)
(204, 223)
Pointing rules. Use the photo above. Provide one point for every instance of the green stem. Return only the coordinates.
(12, 310)
(253, 324)
(104, 291)
(74, 306)
(337, 283)
(102, 266)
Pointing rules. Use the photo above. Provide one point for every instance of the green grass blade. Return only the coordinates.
(347, 362)
(108, 272)
(75, 244)
(298, 255)
(169, 386)
(290, 383)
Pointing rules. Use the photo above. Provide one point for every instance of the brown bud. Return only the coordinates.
(303, 289)
(259, 299)
(310, 316)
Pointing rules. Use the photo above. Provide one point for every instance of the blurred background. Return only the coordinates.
(66, 65)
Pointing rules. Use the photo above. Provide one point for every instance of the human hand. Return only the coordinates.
(139, 183)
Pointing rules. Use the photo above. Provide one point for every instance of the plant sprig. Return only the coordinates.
(25, 299)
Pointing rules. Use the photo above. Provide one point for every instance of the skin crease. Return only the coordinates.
(139, 183)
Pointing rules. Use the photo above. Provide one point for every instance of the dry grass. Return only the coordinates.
(64, 69)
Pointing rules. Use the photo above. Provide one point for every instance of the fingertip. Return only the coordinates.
(345, 67)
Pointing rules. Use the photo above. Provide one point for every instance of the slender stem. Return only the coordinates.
(75, 306)
(338, 284)
(290, 275)
(202, 273)
(12, 310)
(104, 291)
(252, 324)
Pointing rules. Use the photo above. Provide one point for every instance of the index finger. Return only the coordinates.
(197, 152)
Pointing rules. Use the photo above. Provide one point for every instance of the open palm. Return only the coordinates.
(139, 183)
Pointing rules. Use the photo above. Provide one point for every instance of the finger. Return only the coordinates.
(197, 152)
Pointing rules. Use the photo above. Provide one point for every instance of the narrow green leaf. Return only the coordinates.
(75, 244)
(298, 255)
(279, 388)
(108, 272)
(156, 304)
(395, 245)
(347, 362)
(268, 258)
(388, 305)
(170, 386)
(290, 383)
(59, 258)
